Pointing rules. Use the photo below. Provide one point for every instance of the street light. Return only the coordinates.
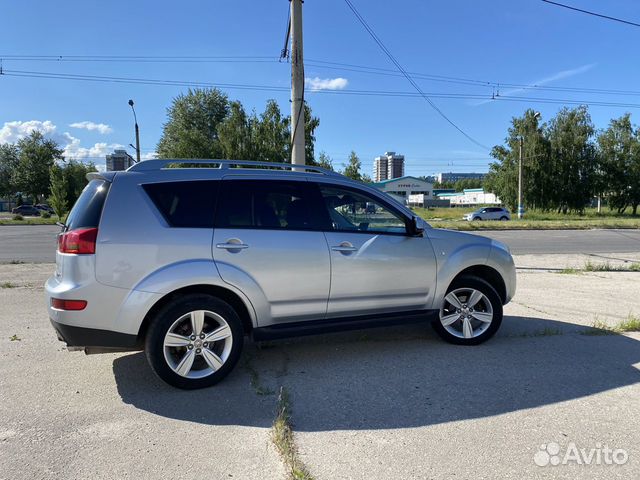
(135, 118)
(536, 116)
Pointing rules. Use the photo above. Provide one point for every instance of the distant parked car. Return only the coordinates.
(26, 210)
(43, 207)
(488, 213)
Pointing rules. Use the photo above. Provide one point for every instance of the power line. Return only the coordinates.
(272, 88)
(592, 13)
(406, 75)
(314, 63)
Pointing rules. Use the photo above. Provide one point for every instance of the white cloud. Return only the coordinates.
(317, 83)
(11, 132)
(148, 155)
(102, 128)
(543, 81)
(73, 148)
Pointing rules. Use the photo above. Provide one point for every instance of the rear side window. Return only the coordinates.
(188, 204)
(88, 208)
(268, 204)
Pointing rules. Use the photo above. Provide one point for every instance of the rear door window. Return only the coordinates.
(269, 204)
(88, 208)
(189, 204)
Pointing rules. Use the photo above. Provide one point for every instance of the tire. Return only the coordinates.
(190, 361)
(488, 303)
(503, 219)
(477, 219)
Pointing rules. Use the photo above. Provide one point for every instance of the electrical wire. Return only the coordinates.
(607, 17)
(317, 64)
(277, 89)
(407, 76)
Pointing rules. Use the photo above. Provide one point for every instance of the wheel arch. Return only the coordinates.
(489, 275)
(222, 293)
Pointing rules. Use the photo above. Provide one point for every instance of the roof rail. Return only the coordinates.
(160, 164)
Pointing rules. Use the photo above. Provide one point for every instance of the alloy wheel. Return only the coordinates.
(466, 313)
(198, 344)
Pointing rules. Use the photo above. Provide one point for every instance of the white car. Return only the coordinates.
(488, 213)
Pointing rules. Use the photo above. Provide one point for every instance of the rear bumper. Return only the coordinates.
(93, 337)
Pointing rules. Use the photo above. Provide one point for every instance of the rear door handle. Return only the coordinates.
(344, 247)
(232, 246)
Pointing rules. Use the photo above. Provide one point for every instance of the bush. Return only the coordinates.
(45, 215)
(17, 216)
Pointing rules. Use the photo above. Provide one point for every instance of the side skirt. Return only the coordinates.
(314, 327)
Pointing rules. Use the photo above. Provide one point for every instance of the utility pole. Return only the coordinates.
(135, 118)
(297, 85)
(520, 211)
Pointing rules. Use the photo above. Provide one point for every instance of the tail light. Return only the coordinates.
(82, 240)
(60, 304)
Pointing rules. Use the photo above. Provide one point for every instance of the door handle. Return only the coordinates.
(345, 248)
(232, 246)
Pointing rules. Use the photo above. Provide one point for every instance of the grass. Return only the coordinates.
(256, 383)
(28, 221)
(607, 267)
(602, 267)
(631, 324)
(570, 271)
(451, 218)
(8, 285)
(282, 437)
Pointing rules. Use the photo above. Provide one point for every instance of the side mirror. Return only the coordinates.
(415, 227)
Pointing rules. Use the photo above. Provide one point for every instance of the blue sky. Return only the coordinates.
(509, 42)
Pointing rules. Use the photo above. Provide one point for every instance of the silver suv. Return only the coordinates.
(488, 213)
(182, 262)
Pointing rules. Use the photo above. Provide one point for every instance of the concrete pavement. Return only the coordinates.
(386, 403)
(37, 243)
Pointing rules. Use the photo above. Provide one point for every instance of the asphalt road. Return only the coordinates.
(381, 404)
(36, 243)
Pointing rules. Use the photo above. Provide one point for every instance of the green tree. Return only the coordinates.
(36, 156)
(619, 147)
(8, 163)
(352, 170)
(75, 177)
(191, 130)
(502, 178)
(272, 134)
(236, 134)
(466, 183)
(574, 159)
(324, 161)
(310, 125)
(58, 197)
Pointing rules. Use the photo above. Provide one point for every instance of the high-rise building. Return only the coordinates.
(119, 160)
(388, 166)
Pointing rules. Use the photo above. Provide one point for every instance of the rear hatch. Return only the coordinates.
(79, 233)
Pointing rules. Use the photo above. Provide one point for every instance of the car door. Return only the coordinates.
(268, 243)
(376, 267)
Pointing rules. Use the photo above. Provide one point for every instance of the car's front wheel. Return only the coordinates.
(195, 341)
(471, 312)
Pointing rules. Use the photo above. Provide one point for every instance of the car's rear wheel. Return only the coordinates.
(195, 341)
(471, 312)
(503, 219)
